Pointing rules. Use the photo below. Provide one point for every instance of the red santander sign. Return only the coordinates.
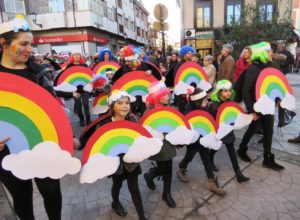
(70, 38)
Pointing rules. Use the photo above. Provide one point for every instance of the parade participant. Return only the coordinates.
(186, 53)
(119, 109)
(77, 60)
(16, 46)
(159, 95)
(209, 68)
(242, 63)
(171, 67)
(261, 58)
(227, 65)
(143, 55)
(225, 93)
(105, 55)
(197, 100)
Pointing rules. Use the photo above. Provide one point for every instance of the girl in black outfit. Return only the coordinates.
(77, 60)
(16, 48)
(224, 93)
(198, 101)
(120, 110)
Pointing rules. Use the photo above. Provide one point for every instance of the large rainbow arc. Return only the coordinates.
(228, 113)
(273, 83)
(75, 75)
(164, 119)
(202, 122)
(113, 139)
(30, 115)
(101, 67)
(135, 83)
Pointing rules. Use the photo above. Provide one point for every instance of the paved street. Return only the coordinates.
(268, 195)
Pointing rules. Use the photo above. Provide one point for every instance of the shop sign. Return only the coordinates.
(204, 35)
(70, 38)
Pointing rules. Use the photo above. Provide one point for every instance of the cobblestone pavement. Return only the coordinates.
(268, 195)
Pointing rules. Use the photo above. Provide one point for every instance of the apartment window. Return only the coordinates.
(132, 25)
(233, 11)
(111, 14)
(127, 23)
(203, 14)
(143, 33)
(266, 10)
(56, 5)
(137, 12)
(14, 6)
(120, 19)
(138, 31)
(120, 4)
(83, 5)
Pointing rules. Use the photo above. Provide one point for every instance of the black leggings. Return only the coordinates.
(132, 182)
(231, 153)
(164, 169)
(191, 150)
(83, 100)
(266, 122)
(22, 193)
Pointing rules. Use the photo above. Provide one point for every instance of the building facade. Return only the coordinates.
(81, 25)
(201, 20)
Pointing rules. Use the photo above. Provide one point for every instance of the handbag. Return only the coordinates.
(285, 117)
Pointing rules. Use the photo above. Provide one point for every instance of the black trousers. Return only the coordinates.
(133, 187)
(181, 102)
(22, 193)
(266, 122)
(164, 169)
(231, 153)
(191, 150)
(83, 101)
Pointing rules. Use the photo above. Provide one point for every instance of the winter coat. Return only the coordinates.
(240, 66)
(211, 73)
(226, 69)
(171, 74)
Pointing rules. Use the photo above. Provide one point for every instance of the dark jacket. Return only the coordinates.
(289, 61)
(248, 92)
(171, 74)
(126, 69)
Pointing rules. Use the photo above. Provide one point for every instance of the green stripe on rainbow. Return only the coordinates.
(23, 123)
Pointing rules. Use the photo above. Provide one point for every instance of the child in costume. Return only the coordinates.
(159, 95)
(119, 109)
(197, 100)
(224, 93)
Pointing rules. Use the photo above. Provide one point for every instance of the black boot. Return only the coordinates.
(242, 153)
(168, 199)
(269, 162)
(149, 178)
(240, 177)
(119, 209)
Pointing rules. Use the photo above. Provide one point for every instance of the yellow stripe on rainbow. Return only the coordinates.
(204, 120)
(272, 79)
(164, 114)
(103, 68)
(78, 75)
(190, 70)
(138, 82)
(38, 116)
(104, 138)
(228, 111)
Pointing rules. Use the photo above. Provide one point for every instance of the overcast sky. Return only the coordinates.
(173, 16)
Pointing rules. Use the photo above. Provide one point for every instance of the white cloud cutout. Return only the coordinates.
(99, 109)
(181, 136)
(98, 167)
(265, 105)
(242, 120)
(142, 148)
(88, 87)
(65, 87)
(210, 141)
(288, 102)
(224, 129)
(154, 133)
(204, 85)
(44, 160)
(181, 88)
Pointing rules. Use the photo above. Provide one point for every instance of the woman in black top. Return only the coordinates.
(16, 48)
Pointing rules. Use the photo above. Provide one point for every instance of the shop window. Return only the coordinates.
(203, 13)
(266, 10)
(233, 11)
(56, 6)
(14, 6)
